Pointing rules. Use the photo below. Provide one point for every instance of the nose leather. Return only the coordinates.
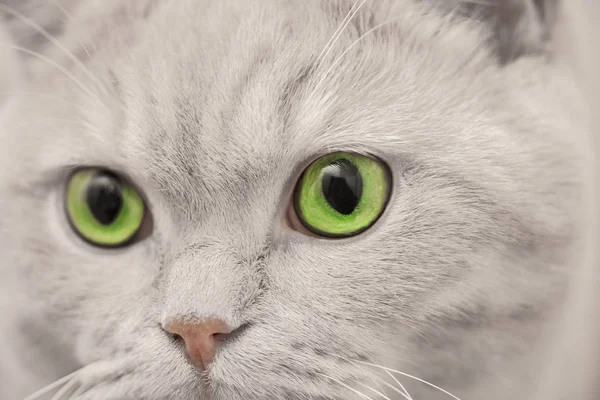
(200, 339)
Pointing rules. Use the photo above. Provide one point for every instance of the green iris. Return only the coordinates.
(342, 194)
(102, 208)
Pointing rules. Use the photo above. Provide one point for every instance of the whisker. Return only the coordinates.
(53, 63)
(53, 40)
(478, 2)
(357, 41)
(364, 396)
(407, 395)
(86, 378)
(50, 121)
(40, 94)
(339, 30)
(69, 17)
(412, 326)
(375, 391)
(410, 376)
(68, 391)
(76, 388)
(402, 393)
(54, 385)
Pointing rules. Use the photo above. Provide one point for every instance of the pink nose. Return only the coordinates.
(200, 339)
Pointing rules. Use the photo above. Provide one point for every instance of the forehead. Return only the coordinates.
(231, 100)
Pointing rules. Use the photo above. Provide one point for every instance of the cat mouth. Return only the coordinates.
(205, 385)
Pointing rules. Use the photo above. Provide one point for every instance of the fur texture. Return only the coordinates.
(213, 109)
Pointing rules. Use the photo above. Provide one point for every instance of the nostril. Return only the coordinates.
(219, 337)
(200, 339)
(176, 337)
(233, 335)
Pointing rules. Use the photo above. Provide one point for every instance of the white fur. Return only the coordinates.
(458, 283)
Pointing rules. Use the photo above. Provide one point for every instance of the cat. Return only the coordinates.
(225, 272)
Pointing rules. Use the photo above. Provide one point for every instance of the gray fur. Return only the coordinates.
(214, 108)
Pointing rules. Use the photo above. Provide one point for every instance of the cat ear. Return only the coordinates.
(519, 27)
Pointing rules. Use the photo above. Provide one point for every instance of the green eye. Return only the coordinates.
(342, 194)
(102, 208)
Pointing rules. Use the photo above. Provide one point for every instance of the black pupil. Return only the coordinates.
(104, 198)
(342, 186)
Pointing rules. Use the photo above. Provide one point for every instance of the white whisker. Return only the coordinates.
(69, 17)
(357, 41)
(50, 122)
(61, 68)
(40, 94)
(68, 391)
(478, 2)
(412, 326)
(401, 391)
(375, 391)
(364, 396)
(84, 379)
(339, 30)
(54, 385)
(53, 40)
(412, 377)
(407, 395)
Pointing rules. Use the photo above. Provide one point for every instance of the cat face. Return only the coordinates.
(213, 123)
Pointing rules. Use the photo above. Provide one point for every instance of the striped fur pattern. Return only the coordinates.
(213, 108)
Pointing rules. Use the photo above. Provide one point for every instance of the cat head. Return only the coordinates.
(211, 118)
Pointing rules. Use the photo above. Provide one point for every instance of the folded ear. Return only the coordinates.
(519, 27)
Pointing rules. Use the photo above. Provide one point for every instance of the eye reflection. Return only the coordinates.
(341, 194)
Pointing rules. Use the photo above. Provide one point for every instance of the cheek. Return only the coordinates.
(324, 295)
(117, 322)
(363, 281)
(88, 293)
(373, 288)
(112, 300)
